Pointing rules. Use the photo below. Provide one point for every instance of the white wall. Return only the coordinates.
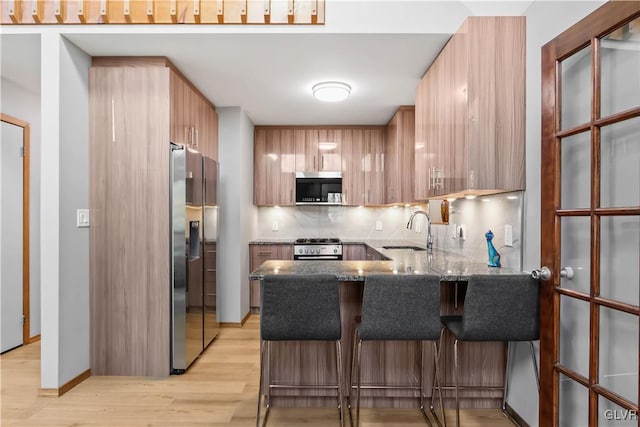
(24, 104)
(74, 194)
(545, 20)
(237, 213)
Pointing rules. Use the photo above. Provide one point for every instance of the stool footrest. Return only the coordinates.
(302, 386)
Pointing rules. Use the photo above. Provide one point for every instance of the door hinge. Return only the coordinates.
(21, 151)
(24, 319)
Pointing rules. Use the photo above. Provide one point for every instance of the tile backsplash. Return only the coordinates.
(477, 216)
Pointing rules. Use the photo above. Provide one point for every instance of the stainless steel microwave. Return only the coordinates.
(318, 188)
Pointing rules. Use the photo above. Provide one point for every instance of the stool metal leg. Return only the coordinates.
(436, 380)
(535, 364)
(433, 384)
(455, 379)
(422, 411)
(262, 356)
(506, 379)
(358, 356)
(339, 375)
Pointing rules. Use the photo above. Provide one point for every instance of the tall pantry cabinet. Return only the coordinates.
(137, 106)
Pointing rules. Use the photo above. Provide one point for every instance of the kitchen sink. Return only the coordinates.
(411, 248)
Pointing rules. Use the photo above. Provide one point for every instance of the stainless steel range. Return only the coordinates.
(317, 249)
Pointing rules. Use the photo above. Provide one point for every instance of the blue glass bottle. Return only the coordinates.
(494, 256)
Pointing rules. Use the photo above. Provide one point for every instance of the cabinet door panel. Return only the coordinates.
(177, 109)
(392, 160)
(353, 149)
(306, 149)
(329, 150)
(374, 167)
(274, 163)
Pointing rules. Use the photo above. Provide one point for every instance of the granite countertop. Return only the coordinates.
(272, 242)
(451, 267)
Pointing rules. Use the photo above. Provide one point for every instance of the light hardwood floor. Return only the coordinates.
(219, 390)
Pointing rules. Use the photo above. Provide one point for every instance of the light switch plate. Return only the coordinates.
(508, 235)
(378, 225)
(274, 226)
(82, 218)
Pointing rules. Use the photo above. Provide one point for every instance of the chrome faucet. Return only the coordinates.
(429, 236)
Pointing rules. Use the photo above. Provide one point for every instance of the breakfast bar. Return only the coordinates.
(390, 362)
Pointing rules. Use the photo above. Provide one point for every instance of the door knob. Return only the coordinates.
(541, 274)
(567, 273)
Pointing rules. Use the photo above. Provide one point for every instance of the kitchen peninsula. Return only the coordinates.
(390, 362)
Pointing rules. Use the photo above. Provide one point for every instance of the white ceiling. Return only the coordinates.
(269, 74)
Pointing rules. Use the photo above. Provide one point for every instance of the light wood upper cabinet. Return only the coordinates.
(306, 149)
(194, 121)
(399, 159)
(274, 167)
(353, 149)
(374, 166)
(470, 110)
(329, 150)
(318, 150)
(357, 152)
(363, 166)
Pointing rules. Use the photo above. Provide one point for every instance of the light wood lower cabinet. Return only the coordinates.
(354, 251)
(259, 253)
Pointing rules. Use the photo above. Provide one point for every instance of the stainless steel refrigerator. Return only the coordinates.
(194, 230)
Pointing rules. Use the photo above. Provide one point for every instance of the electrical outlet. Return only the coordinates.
(378, 225)
(82, 218)
(274, 226)
(462, 232)
(453, 230)
(508, 235)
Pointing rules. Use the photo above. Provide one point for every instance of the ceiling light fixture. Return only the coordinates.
(331, 91)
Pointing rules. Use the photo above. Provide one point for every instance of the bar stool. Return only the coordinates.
(298, 308)
(399, 308)
(497, 308)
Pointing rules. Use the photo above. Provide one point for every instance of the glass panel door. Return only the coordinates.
(590, 230)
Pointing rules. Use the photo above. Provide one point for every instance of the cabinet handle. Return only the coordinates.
(369, 196)
(314, 163)
(197, 138)
(291, 195)
(322, 164)
(266, 252)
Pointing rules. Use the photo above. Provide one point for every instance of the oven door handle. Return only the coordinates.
(325, 257)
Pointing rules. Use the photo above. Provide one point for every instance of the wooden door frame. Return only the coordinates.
(26, 331)
(599, 23)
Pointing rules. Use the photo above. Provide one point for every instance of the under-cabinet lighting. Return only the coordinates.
(451, 199)
(331, 91)
(407, 205)
(512, 197)
(327, 145)
(470, 196)
(486, 200)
